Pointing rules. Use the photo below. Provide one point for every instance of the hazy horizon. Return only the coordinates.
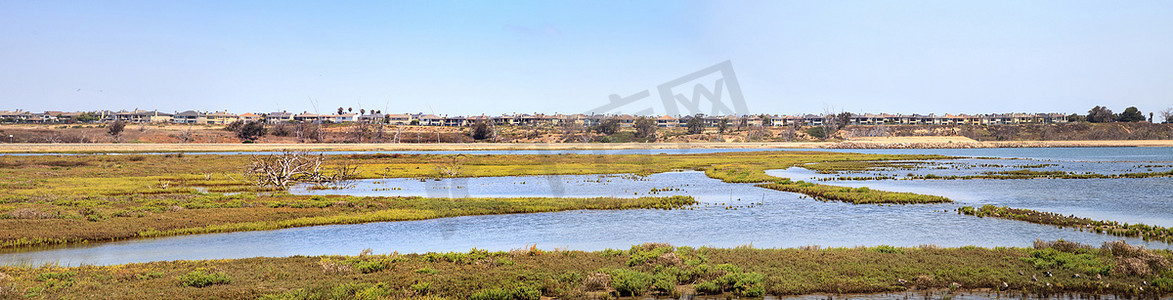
(456, 58)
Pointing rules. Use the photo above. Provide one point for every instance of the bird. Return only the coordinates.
(1033, 278)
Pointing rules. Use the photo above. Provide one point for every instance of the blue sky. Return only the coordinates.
(568, 56)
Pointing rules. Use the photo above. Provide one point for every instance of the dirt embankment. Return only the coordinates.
(170, 137)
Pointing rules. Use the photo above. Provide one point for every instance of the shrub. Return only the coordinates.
(360, 291)
(742, 283)
(421, 288)
(200, 278)
(1164, 283)
(966, 210)
(665, 283)
(641, 256)
(511, 293)
(630, 283)
(61, 276)
(371, 266)
(492, 294)
(707, 288)
(888, 249)
(364, 264)
(611, 252)
(1050, 258)
(816, 132)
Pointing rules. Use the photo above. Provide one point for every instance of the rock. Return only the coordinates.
(1074, 275)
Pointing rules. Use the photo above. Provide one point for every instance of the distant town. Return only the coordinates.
(421, 119)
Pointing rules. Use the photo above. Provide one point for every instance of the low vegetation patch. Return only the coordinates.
(1147, 232)
(862, 195)
(202, 278)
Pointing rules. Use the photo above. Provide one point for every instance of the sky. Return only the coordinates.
(489, 57)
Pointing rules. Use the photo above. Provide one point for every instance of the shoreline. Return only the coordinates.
(886, 143)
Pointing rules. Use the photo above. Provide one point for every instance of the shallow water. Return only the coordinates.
(1130, 200)
(729, 215)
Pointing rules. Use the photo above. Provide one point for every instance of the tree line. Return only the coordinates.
(1102, 114)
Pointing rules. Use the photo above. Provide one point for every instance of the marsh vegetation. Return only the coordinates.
(657, 270)
(1147, 232)
(86, 198)
(72, 199)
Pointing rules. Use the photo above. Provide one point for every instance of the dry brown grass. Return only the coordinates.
(32, 214)
(1135, 260)
(596, 282)
(1061, 245)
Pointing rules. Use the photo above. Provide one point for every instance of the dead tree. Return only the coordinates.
(451, 167)
(290, 167)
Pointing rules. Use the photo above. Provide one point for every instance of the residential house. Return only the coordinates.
(249, 117)
(220, 118)
(15, 116)
(457, 121)
(189, 117)
(311, 118)
(371, 118)
(278, 117)
(430, 120)
(344, 117)
(399, 119)
(141, 116)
